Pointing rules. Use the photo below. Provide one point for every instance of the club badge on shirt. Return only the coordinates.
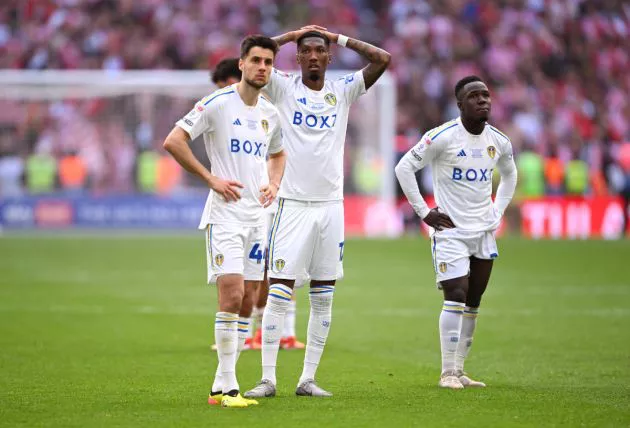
(492, 152)
(331, 99)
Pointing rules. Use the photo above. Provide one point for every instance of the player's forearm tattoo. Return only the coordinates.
(283, 39)
(379, 60)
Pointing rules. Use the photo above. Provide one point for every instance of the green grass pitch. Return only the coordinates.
(115, 332)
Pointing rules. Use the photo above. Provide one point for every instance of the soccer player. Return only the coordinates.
(226, 73)
(308, 231)
(240, 128)
(462, 153)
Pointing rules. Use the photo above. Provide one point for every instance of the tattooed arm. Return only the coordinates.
(379, 58)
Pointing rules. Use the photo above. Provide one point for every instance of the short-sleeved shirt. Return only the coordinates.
(314, 125)
(237, 138)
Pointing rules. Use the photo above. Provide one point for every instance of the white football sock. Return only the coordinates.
(450, 326)
(321, 298)
(217, 384)
(273, 318)
(289, 321)
(243, 332)
(256, 320)
(226, 337)
(469, 322)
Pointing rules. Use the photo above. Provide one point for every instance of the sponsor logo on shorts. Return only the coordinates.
(218, 259)
(442, 267)
(279, 264)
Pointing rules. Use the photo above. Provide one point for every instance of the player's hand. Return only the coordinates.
(226, 188)
(268, 194)
(438, 220)
(333, 37)
(298, 33)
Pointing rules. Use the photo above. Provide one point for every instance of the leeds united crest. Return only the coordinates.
(492, 152)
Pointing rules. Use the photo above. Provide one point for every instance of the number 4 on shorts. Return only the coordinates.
(256, 253)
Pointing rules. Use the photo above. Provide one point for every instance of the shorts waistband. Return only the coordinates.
(296, 203)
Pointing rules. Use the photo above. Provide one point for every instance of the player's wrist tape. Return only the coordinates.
(342, 40)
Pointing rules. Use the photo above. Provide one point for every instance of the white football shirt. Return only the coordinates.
(237, 139)
(314, 127)
(462, 165)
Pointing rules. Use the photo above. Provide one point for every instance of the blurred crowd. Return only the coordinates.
(557, 70)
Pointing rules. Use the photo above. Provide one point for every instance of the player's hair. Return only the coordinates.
(256, 40)
(313, 34)
(225, 69)
(463, 82)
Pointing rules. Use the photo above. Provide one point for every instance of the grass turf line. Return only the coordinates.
(116, 332)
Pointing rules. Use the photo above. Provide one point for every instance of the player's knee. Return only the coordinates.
(455, 293)
(473, 301)
(247, 307)
(456, 289)
(286, 282)
(251, 291)
(232, 301)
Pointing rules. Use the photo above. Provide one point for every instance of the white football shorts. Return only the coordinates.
(452, 249)
(307, 238)
(232, 248)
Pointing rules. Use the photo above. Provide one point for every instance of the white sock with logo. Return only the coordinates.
(450, 327)
(469, 322)
(289, 321)
(273, 318)
(226, 337)
(321, 298)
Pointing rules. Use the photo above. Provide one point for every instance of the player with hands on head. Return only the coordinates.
(308, 231)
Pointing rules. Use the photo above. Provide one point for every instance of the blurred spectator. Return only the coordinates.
(554, 172)
(147, 171)
(11, 164)
(169, 174)
(531, 180)
(576, 178)
(557, 69)
(72, 172)
(41, 172)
